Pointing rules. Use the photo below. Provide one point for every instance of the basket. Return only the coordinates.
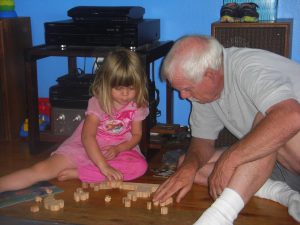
(267, 8)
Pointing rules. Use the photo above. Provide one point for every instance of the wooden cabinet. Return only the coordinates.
(272, 36)
(15, 37)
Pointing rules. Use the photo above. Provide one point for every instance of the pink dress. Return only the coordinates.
(111, 131)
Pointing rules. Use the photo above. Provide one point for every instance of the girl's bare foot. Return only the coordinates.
(67, 174)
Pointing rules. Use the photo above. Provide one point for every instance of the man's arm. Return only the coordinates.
(199, 152)
(280, 124)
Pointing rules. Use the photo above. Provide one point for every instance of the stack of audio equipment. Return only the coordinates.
(69, 100)
(103, 26)
(94, 26)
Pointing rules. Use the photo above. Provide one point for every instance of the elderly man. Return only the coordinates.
(254, 94)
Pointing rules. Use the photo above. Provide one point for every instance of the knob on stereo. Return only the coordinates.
(77, 118)
(61, 117)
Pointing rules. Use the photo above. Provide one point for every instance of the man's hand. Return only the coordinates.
(182, 181)
(221, 175)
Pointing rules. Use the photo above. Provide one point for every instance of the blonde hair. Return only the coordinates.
(121, 67)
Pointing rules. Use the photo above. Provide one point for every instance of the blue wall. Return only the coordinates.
(177, 18)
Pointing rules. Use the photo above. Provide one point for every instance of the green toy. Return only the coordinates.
(7, 5)
(7, 9)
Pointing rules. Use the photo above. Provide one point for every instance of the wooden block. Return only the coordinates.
(164, 210)
(34, 208)
(49, 198)
(84, 196)
(169, 201)
(105, 185)
(156, 203)
(79, 190)
(38, 198)
(96, 187)
(134, 198)
(149, 205)
(48, 190)
(128, 187)
(154, 188)
(61, 203)
(124, 199)
(107, 198)
(81, 195)
(130, 194)
(84, 185)
(48, 201)
(76, 197)
(127, 203)
(54, 207)
(114, 184)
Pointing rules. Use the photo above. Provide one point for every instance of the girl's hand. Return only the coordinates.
(111, 152)
(111, 173)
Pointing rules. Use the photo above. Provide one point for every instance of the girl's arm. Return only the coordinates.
(88, 137)
(136, 131)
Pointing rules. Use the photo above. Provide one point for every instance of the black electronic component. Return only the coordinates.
(132, 33)
(112, 13)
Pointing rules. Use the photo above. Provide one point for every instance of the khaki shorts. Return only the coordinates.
(280, 173)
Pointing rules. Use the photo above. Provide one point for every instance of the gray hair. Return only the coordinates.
(192, 59)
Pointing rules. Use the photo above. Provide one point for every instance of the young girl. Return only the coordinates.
(105, 144)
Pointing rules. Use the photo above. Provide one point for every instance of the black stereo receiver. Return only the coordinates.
(95, 13)
(131, 33)
(71, 91)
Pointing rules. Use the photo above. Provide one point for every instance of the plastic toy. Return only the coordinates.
(7, 9)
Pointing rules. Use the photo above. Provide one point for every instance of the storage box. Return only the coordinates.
(267, 8)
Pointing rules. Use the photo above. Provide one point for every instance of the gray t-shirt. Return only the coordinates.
(254, 80)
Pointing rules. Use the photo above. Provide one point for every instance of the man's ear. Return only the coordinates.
(210, 75)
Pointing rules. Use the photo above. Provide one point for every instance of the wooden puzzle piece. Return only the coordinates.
(107, 198)
(127, 203)
(34, 208)
(38, 199)
(81, 195)
(149, 205)
(164, 210)
(136, 190)
(53, 204)
(167, 202)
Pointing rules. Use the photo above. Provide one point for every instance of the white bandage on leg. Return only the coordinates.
(224, 210)
(280, 192)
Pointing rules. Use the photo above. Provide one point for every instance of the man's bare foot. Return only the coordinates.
(67, 174)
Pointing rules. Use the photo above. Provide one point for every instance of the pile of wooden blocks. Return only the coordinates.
(136, 190)
(50, 203)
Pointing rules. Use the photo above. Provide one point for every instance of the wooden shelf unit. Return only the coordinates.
(148, 53)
